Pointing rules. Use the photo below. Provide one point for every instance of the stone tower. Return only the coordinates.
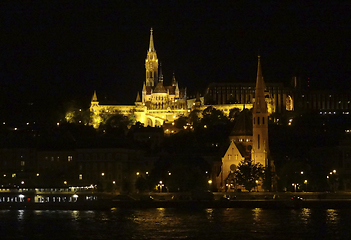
(260, 148)
(151, 63)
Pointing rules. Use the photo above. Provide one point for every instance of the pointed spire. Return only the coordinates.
(259, 80)
(160, 78)
(260, 103)
(94, 98)
(174, 81)
(138, 99)
(151, 46)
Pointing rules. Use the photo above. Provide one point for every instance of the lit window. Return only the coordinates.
(69, 158)
(80, 176)
(23, 163)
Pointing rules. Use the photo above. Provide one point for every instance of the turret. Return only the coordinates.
(151, 63)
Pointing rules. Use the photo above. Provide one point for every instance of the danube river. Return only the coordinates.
(160, 223)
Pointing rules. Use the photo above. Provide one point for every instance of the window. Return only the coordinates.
(258, 120)
(80, 176)
(263, 120)
(69, 158)
(258, 141)
(23, 163)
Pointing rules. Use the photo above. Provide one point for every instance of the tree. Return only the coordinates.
(141, 184)
(248, 173)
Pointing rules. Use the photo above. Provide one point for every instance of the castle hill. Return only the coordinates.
(253, 139)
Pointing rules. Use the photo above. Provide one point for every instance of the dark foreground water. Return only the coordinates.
(163, 223)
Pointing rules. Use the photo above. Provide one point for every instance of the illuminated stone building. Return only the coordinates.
(157, 104)
(160, 103)
(249, 137)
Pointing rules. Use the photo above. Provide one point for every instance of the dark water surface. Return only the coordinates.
(163, 223)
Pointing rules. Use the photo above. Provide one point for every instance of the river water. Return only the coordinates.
(161, 223)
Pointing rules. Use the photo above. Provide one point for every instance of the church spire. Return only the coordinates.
(94, 98)
(260, 103)
(151, 45)
(138, 98)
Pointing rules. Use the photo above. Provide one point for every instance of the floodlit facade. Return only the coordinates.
(159, 103)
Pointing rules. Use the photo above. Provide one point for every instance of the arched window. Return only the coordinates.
(258, 120)
(263, 120)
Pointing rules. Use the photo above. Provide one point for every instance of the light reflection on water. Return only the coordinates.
(165, 223)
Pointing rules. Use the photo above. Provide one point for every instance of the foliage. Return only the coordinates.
(248, 173)
(233, 113)
(141, 184)
(180, 122)
(194, 117)
(212, 116)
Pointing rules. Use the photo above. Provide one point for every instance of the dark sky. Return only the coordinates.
(55, 52)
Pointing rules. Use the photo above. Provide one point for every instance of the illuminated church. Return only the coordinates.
(249, 137)
(159, 103)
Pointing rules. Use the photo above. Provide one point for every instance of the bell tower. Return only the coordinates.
(151, 63)
(260, 148)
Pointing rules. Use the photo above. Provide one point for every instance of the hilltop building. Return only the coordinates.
(157, 104)
(160, 103)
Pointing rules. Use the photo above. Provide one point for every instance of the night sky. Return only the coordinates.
(56, 52)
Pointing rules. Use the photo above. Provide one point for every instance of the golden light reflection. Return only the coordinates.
(332, 216)
(305, 215)
(256, 213)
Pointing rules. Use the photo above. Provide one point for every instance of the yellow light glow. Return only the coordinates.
(22, 182)
(209, 181)
(102, 174)
(137, 173)
(37, 174)
(114, 182)
(160, 182)
(65, 182)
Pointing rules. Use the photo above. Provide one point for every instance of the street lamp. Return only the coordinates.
(306, 182)
(294, 185)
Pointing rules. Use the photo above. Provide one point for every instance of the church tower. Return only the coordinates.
(260, 148)
(151, 63)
